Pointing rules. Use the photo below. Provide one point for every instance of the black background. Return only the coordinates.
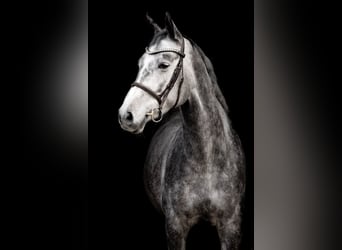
(52, 183)
(121, 217)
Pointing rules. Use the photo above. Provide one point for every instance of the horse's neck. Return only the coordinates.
(205, 123)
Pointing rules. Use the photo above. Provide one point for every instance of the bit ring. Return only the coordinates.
(156, 115)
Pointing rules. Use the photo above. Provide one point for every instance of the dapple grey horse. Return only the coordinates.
(195, 167)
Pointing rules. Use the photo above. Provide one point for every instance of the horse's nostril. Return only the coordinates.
(129, 116)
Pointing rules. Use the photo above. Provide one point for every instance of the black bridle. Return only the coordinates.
(156, 113)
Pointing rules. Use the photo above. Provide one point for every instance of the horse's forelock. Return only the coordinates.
(158, 37)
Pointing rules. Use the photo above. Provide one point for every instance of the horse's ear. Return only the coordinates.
(171, 28)
(153, 23)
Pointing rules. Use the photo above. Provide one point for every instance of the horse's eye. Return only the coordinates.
(163, 65)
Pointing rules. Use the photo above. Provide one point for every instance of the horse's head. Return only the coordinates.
(159, 86)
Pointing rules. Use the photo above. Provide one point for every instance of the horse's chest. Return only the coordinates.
(198, 190)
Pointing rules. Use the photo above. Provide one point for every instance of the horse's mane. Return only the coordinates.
(210, 69)
(212, 75)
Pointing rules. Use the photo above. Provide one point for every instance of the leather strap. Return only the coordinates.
(148, 90)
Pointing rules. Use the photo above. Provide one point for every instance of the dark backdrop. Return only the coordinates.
(124, 215)
(51, 148)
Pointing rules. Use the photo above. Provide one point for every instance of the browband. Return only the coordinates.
(180, 53)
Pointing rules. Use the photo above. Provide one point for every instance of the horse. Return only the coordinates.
(195, 165)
